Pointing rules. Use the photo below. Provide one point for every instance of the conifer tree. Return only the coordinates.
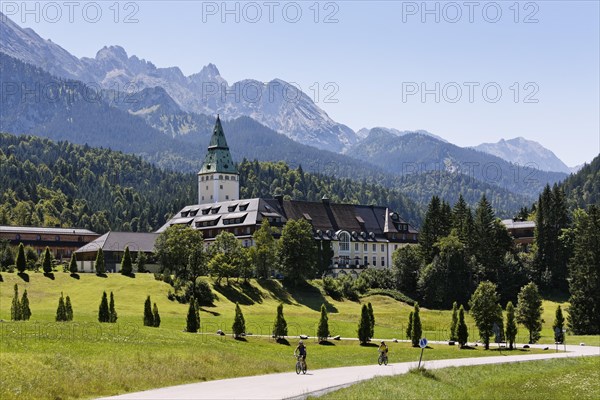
(364, 325)
(148, 316)
(126, 264)
(15, 308)
(156, 316)
(372, 321)
(21, 262)
(99, 264)
(500, 323)
(112, 313)
(103, 313)
(454, 323)
(558, 326)
(47, 263)
(61, 312)
(141, 262)
(197, 310)
(417, 329)
(25, 310)
(323, 328)
(511, 325)
(192, 325)
(462, 333)
(68, 309)
(280, 327)
(73, 264)
(239, 324)
(409, 326)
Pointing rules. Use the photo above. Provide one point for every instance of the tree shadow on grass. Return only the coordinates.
(244, 294)
(283, 341)
(129, 275)
(1, 278)
(276, 290)
(24, 276)
(467, 348)
(310, 297)
(326, 343)
(369, 345)
(240, 339)
(103, 275)
(216, 314)
(75, 276)
(49, 275)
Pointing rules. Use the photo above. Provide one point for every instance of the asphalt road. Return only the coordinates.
(291, 386)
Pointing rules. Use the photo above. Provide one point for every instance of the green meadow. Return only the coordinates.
(83, 359)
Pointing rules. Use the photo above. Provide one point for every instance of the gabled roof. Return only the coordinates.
(218, 158)
(52, 231)
(117, 241)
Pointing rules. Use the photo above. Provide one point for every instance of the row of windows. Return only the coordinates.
(210, 233)
(221, 177)
(345, 260)
(56, 238)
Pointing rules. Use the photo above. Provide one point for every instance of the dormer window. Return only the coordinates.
(184, 214)
(215, 210)
(231, 208)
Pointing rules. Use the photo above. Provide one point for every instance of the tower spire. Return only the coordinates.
(218, 168)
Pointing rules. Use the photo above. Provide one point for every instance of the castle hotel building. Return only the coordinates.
(360, 236)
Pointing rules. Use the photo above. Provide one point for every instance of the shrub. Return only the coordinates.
(61, 311)
(68, 309)
(462, 333)
(112, 313)
(332, 288)
(148, 315)
(280, 327)
(192, 324)
(156, 316)
(239, 324)
(25, 310)
(323, 328)
(103, 314)
(417, 330)
(364, 325)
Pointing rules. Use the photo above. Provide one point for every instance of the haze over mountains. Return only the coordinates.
(167, 118)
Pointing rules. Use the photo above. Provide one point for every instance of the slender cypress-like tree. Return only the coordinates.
(148, 316)
(99, 264)
(462, 332)
(103, 314)
(68, 309)
(25, 310)
(192, 325)
(15, 308)
(558, 326)
(126, 264)
(21, 262)
(112, 313)
(280, 327)
(417, 329)
(239, 324)
(372, 321)
(61, 312)
(47, 263)
(500, 323)
(409, 326)
(511, 325)
(454, 323)
(141, 262)
(156, 316)
(364, 325)
(73, 264)
(323, 328)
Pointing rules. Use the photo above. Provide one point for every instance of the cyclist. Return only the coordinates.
(383, 349)
(301, 350)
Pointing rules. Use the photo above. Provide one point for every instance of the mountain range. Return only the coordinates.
(128, 104)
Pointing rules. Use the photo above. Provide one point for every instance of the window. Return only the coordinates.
(220, 176)
(211, 196)
(185, 214)
(382, 247)
(203, 211)
(226, 197)
(365, 247)
(395, 247)
(17, 237)
(206, 210)
(374, 247)
(374, 261)
(221, 187)
(344, 241)
(57, 238)
(355, 246)
(206, 187)
(366, 261)
(227, 178)
(383, 261)
(243, 207)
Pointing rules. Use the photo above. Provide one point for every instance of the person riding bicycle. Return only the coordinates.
(301, 350)
(383, 349)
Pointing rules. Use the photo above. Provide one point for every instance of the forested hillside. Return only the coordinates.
(583, 188)
(264, 179)
(48, 183)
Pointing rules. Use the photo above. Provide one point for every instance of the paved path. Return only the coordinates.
(291, 386)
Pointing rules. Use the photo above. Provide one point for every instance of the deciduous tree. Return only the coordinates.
(529, 310)
(484, 309)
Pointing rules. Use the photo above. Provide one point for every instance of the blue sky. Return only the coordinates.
(381, 58)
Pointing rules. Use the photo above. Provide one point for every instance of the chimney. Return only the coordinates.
(325, 200)
(279, 198)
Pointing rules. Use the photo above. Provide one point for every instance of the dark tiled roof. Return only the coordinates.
(53, 231)
(117, 241)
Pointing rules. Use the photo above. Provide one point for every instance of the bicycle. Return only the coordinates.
(383, 358)
(300, 365)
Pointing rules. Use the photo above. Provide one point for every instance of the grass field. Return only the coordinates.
(572, 378)
(44, 359)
